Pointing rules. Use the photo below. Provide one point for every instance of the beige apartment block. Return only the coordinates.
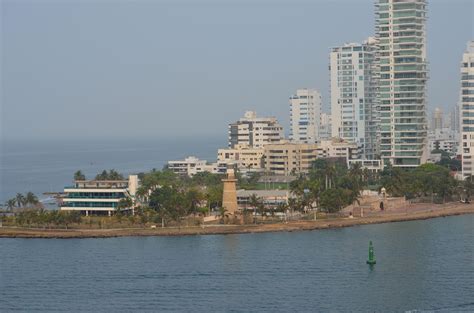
(243, 156)
(287, 158)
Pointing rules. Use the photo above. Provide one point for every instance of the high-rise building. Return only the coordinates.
(402, 67)
(467, 111)
(254, 131)
(454, 118)
(305, 116)
(437, 119)
(325, 127)
(353, 100)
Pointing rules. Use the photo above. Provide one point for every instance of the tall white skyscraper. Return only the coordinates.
(401, 56)
(353, 100)
(467, 111)
(305, 116)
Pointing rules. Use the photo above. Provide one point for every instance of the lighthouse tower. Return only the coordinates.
(229, 198)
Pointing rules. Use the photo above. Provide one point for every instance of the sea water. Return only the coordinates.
(422, 266)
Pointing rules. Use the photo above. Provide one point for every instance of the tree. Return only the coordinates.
(124, 203)
(169, 202)
(31, 199)
(110, 175)
(254, 202)
(114, 175)
(193, 198)
(222, 214)
(20, 200)
(11, 204)
(332, 200)
(213, 196)
(79, 175)
(393, 180)
(292, 204)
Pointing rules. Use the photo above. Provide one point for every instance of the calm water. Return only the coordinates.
(45, 166)
(421, 265)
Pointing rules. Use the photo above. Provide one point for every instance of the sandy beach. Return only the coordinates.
(415, 212)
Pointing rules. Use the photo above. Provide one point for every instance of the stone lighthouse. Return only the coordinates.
(229, 197)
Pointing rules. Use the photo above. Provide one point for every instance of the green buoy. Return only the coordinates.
(371, 260)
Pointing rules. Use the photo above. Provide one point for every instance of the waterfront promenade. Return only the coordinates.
(414, 212)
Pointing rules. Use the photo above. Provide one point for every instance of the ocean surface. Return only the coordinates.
(48, 166)
(422, 266)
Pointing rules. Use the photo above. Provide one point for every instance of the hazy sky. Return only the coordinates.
(163, 68)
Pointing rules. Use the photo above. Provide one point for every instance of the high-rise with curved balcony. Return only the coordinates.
(467, 111)
(402, 75)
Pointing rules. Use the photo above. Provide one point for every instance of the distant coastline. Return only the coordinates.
(434, 211)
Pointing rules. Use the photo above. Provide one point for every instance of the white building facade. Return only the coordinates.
(99, 196)
(467, 111)
(353, 100)
(402, 67)
(443, 139)
(191, 165)
(305, 116)
(255, 131)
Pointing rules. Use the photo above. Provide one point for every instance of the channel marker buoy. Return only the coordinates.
(371, 260)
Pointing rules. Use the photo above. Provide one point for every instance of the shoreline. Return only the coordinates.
(434, 211)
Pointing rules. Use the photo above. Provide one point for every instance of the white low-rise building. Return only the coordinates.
(371, 165)
(191, 165)
(99, 196)
(338, 148)
(444, 139)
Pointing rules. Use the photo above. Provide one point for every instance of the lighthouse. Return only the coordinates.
(229, 197)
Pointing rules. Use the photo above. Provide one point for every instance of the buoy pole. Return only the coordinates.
(371, 260)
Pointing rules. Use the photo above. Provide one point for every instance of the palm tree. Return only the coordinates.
(194, 197)
(329, 173)
(124, 203)
(31, 199)
(254, 202)
(114, 175)
(356, 170)
(262, 209)
(79, 176)
(102, 176)
(20, 200)
(292, 204)
(11, 204)
(222, 213)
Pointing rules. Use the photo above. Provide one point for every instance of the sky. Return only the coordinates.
(127, 69)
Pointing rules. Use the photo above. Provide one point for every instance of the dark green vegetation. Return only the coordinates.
(104, 175)
(330, 186)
